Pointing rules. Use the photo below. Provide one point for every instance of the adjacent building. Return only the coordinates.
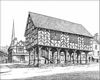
(17, 50)
(96, 46)
(19, 53)
(3, 56)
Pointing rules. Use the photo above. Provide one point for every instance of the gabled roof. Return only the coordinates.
(48, 22)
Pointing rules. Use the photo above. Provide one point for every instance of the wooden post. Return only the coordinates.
(70, 56)
(80, 58)
(53, 56)
(34, 55)
(74, 52)
(77, 56)
(49, 54)
(58, 55)
(29, 57)
(66, 55)
(86, 57)
(45, 55)
(73, 57)
(70, 53)
(39, 54)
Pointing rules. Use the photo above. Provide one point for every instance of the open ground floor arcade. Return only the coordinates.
(41, 55)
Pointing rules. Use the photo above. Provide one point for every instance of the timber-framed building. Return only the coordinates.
(51, 40)
(17, 50)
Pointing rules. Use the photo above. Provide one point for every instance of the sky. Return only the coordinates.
(82, 12)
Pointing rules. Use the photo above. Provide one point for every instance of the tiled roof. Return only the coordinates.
(48, 22)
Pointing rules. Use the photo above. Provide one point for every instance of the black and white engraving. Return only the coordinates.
(43, 43)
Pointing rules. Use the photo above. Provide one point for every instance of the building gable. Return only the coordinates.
(29, 24)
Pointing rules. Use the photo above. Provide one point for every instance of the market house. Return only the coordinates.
(51, 40)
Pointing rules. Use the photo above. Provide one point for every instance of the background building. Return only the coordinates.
(96, 46)
(3, 54)
(17, 51)
(3, 57)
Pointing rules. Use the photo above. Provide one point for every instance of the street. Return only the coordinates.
(24, 73)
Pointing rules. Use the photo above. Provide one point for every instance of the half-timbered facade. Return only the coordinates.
(17, 52)
(54, 41)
